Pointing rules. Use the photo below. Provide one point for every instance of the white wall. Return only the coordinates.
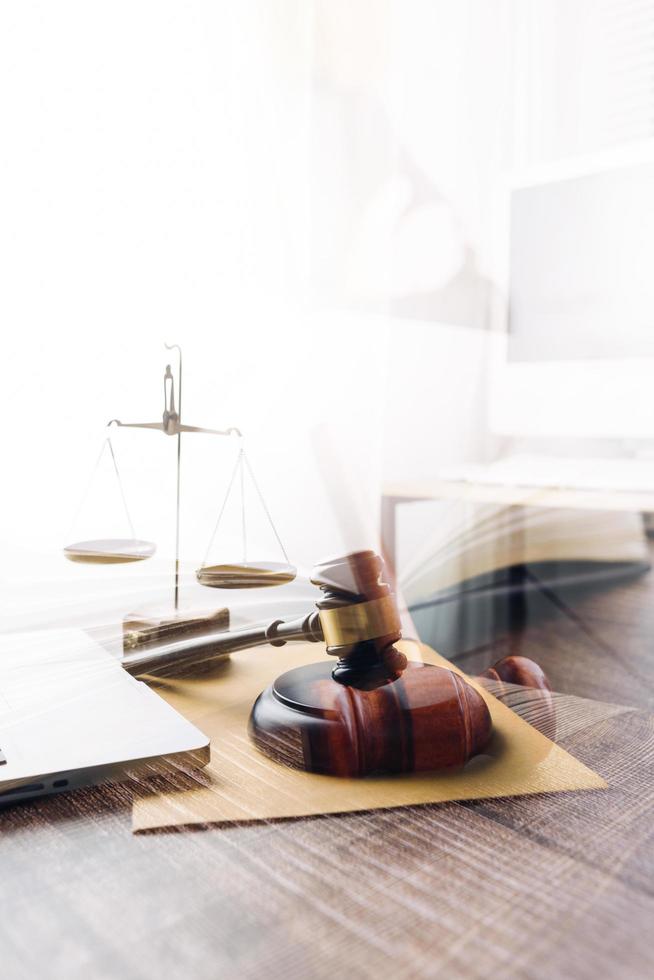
(262, 184)
(436, 412)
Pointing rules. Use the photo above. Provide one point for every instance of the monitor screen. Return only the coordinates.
(582, 268)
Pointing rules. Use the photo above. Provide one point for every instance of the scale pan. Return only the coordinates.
(109, 551)
(246, 575)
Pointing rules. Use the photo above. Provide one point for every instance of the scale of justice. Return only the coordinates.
(145, 630)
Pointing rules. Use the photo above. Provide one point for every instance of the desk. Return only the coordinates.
(507, 496)
(556, 886)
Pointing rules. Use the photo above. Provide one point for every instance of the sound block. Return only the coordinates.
(425, 719)
(157, 628)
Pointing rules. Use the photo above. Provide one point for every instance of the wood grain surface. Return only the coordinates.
(552, 886)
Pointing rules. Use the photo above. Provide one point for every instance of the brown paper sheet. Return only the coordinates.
(241, 784)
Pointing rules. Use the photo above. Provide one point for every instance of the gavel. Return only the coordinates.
(372, 712)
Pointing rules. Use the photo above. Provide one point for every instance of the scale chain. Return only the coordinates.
(222, 510)
(263, 504)
(105, 442)
(241, 462)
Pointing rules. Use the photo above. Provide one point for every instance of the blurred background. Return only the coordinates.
(406, 248)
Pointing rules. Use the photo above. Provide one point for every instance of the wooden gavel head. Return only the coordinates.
(518, 670)
(373, 712)
(535, 700)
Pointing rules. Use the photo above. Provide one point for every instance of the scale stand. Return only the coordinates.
(151, 628)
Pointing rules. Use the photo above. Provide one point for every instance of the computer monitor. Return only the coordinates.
(575, 353)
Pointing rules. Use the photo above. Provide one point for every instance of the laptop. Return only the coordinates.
(70, 716)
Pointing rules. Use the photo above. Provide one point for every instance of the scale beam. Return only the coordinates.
(173, 427)
(232, 431)
(137, 425)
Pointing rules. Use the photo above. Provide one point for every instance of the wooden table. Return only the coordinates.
(555, 886)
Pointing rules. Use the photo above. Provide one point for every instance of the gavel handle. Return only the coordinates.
(202, 649)
(196, 650)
